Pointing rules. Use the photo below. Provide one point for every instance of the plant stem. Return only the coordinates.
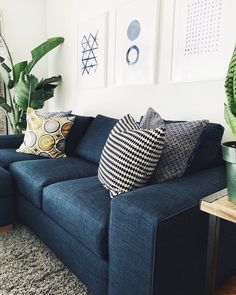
(9, 54)
(12, 105)
(9, 120)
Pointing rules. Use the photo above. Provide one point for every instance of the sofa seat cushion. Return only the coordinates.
(9, 156)
(32, 176)
(82, 207)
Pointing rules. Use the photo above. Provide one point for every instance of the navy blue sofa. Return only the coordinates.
(149, 241)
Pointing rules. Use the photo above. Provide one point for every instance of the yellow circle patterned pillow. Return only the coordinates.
(45, 136)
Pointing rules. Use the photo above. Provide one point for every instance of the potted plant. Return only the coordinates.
(229, 148)
(23, 89)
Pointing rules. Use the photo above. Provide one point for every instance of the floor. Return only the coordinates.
(229, 288)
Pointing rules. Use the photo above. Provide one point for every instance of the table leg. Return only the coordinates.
(212, 252)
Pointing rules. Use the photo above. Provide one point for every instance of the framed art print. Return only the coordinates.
(92, 52)
(204, 38)
(136, 43)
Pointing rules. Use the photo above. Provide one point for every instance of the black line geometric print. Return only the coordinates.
(89, 59)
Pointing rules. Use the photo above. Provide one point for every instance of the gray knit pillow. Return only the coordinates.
(181, 140)
(151, 120)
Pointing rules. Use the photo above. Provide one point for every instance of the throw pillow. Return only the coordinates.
(45, 136)
(181, 141)
(52, 114)
(129, 156)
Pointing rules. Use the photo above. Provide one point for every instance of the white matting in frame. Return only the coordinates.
(92, 52)
(204, 38)
(136, 43)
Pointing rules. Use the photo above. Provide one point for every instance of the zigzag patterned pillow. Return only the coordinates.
(129, 156)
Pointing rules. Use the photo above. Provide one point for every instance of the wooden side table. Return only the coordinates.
(218, 207)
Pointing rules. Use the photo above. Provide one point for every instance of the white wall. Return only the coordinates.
(24, 24)
(188, 101)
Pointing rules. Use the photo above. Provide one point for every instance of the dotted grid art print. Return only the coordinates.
(204, 37)
(203, 23)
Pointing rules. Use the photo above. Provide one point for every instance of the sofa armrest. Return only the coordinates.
(11, 141)
(134, 222)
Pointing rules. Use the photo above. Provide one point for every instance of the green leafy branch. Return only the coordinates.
(23, 89)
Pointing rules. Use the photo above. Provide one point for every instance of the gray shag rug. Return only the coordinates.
(28, 267)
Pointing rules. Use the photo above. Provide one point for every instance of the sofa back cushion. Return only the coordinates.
(91, 145)
(77, 131)
(208, 152)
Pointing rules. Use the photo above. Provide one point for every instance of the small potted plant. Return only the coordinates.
(229, 148)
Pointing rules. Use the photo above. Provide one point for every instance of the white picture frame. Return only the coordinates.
(203, 39)
(92, 52)
(137, 27)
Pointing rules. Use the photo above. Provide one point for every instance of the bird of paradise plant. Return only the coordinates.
(22, 89)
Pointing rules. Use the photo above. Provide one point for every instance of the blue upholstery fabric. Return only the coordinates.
(208, 153)
(11, 141)
(32, 176)
(92, 270)
(182, 243)
(77, 131)
(5, 183)
(9, 156)
(91, 145)
(134, 231)
(6, 210)
(82, 207)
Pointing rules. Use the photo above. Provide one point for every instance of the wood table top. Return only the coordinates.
(219, 205)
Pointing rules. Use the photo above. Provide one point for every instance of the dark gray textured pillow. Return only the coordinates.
(130, 156)
(180, 142)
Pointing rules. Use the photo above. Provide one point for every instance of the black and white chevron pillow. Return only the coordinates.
(129, 156)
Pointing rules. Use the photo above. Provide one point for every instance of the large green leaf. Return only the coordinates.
(230, 85)
(4, 105)
(28, 92)
(17, 69)
(230, 119)
(44, 82)
(44, 91)
(42, 50)
(37, 101)
(23, 90)
(41, 93)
